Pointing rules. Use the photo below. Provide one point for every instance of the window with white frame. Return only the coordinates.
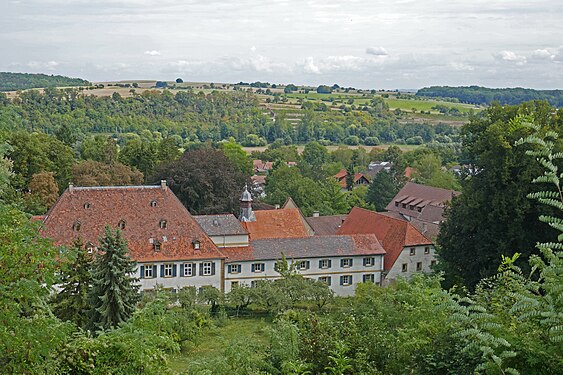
(346, 280)
(207, 268)
(324, 263)
(325, 279)
(149, 271)
(168, 270)
(234, 284)
(346, 262)
(427, 250)
(413, 251)
(188, 269)
(368, 278)
(258, 267)
(303, 265)
(234, 268)
(369, 262)
(253, 283)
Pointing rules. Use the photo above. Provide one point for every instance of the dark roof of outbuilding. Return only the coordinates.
(220, 225)
(326, 225)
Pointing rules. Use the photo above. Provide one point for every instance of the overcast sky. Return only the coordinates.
(361, 43)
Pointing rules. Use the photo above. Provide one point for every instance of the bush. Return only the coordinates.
(417, 140)
(352, 140)
(371, 141)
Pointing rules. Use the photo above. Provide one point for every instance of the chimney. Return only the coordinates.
(70, 187)
(163, 184)
(277, 206)
(316, 214)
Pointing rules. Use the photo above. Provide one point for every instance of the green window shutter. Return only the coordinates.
(154, 274)
(142, 272)
(162, 270)
(253, 267)
(329, 280)
(341, 264)
(351, 262)
(308, 265)
(201, 269)
(341, 280)
(329, 263)
(351, 280)
(174, 270)
(182, 270)
(320, 263)
(213, 268)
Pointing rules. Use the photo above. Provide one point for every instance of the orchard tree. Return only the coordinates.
(114, 292)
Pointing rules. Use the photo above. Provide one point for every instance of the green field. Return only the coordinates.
(426, 105)
(216, 343)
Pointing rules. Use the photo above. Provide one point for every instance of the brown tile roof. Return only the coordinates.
(394, 234)
(341, 177)
(259, 180)
(326, 225)
(220, 225)
(141, 208)
(429, 229)
(307, 247)
(284, 223)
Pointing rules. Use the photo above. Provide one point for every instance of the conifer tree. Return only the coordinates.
(114, 291)
(71, 303)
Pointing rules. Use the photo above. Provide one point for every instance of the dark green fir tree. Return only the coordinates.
(71, 303)
(114, 292)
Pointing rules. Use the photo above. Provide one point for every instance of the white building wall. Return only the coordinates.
(179, 281)
(356, 271)
(411, 262)
(230, 240)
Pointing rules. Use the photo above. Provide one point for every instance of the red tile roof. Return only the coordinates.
(394, 234)
(283, 223)
(341, 177)
(141, 208)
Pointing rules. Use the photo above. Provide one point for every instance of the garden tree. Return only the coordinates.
(238, 156)
(212, 296)
(493, 217)
(38, 152)
(30, 335)
(71, 302)
(205, 180)
(240, 297)
(357, 198)
(44, 187)
(114, 291)
(313, 157)
(187, 297)
(324, 89)
(93, 173)
(141, 154)
(99, 148)
(277, 151)
(428, 171)
(382, 189)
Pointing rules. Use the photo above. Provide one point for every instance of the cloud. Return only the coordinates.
(253, 49)
(459, 66)
(49, 65)
(310, 67)
(511, 57)
(152, 53)
(376, 51)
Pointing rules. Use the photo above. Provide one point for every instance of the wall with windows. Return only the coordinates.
(230, 240)
(412, 259)
(341, 273)
(177, 274)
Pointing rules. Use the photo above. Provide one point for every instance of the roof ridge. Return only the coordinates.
(116, 187)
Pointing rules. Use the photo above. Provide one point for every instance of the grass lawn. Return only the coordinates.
(213, 342)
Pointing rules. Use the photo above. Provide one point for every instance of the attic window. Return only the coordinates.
(157, 245)
(153, 203)
(87, 205)
(162, 224)
(196, 244)
(396, 204)
(121, 224)
(215, 222)
(76, 226)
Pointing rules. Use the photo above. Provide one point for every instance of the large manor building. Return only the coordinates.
(175, 249)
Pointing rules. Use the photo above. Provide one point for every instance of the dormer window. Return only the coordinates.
(156, 245)
(196, 244)
(76, 226)
(121, 224)
(87, 205)
(162, 224)
(153, 203)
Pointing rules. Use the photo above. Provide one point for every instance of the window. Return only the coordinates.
(87, 205)
(187, 269)
(419, 266)
(432, 263)
(346, 280)
(346, 262)
(253, 283)
(427, 250)
(153, 203)
(396, 204)
(168, 270)
(121, 224)
(149, 271)
(324, 263)
(419, 209)
(413, 251)
(325, 279)
(234, 268)
(405, 267)
(162, 224)
(404, 205)
(369, 262)
(368, 278)
(196, 244)
(304, 265)
(258, 267)
(207, 268)
(234, 284)
(76, 226)
(157, 245)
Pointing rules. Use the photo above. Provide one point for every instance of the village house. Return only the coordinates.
(358, 180)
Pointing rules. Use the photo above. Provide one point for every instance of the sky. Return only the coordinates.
(401, 44)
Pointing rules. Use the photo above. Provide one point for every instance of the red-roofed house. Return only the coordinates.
(359, 178)
(169, 246)
(407, 250)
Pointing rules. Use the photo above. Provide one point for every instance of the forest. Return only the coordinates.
(485, 95)
(23, 81)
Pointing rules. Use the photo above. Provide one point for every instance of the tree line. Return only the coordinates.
(23, 81)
